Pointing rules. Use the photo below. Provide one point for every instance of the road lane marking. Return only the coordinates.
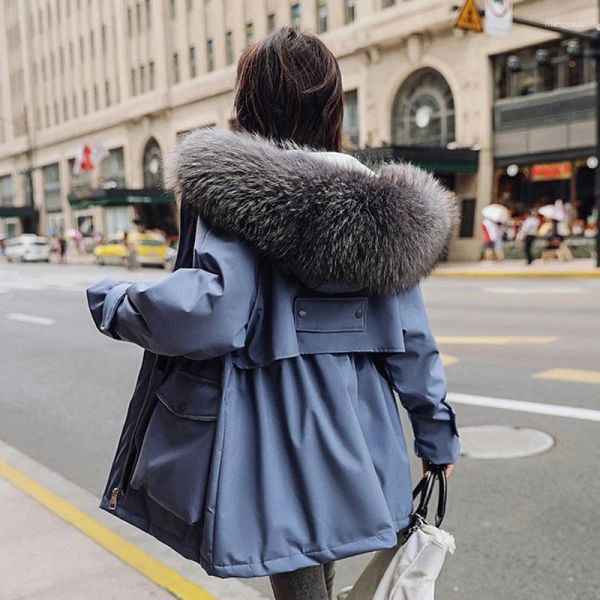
(570, 375)
(495, 340)
(30, 319)
(555, 410)
(531, 290)
(448, 360)
(130, 554)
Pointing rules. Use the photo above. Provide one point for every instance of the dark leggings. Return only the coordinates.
(310, 583)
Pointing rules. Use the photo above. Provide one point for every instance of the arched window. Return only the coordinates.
(152, 165)
(423, 111)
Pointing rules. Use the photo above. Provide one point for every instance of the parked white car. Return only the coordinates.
(27, 248)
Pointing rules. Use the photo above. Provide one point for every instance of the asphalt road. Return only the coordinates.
(525, 528)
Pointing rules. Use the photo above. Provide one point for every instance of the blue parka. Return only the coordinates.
(263, 435)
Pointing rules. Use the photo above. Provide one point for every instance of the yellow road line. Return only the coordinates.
(153, 569)
(519, 275)
(448, 360)
(495, 340)
(571, 375)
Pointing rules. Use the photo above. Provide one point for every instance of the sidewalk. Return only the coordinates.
(43, 557)
(56, 544)
(582, 268)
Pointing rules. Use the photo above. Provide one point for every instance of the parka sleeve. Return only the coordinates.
(418, 376)
(198, 312)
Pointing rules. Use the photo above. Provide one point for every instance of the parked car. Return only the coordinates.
(27, 248)
(150, 247)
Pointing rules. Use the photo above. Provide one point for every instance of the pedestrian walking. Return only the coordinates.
(263, 437)
(528, 234)
(62, 249)
(491, 233)
(130, 252)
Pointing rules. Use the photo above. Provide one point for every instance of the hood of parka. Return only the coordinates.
(338, 225)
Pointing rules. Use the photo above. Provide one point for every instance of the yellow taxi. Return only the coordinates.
(150, 248)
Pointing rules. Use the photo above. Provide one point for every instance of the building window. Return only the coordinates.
(296, 15)
(56, 116)
(75, 107)
(112, 169)
(51, 184)
(190, 5)
(210, 55)
(349, 11)
(129, 25)
(96, 98)
(423, 111)
(92, 45)
(6, 190)
(229, 47)
(270, 22)
(542, 68)
(148, 15)
(176, 74)
(85, 102)
(192, 61)
(152, 165)
(133, 83)
(142, 80)
(173, 13)
(138, 14)
(107, 92)
(65, 109)
(322, 10)
(151, 74)
(386, 3)
(103, 30)
(350, 126)
(249, 33)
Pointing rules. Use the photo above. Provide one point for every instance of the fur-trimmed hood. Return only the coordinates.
(325, 215)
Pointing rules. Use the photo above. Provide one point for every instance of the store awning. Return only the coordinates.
(119, 197)
(438, 160)
(7, 212)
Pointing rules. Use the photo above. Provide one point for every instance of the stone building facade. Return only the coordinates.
(117, 82)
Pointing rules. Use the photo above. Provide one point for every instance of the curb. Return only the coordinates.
(519, 275)
(182, 578)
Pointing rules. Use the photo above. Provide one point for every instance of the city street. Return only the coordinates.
(522, 525)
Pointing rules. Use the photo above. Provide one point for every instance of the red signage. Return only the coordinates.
(549, 171)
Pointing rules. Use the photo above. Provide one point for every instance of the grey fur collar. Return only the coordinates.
(331, 222)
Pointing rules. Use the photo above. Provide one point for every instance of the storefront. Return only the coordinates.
(525, 182)
(127, 209)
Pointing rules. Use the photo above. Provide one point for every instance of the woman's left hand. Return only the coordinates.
(449, 469)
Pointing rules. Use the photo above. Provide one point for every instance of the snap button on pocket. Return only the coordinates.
(302, 313)
(359, 313)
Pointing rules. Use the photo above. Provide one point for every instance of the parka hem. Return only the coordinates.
(385, 539)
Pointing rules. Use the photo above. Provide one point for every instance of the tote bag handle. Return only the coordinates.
(425, 489)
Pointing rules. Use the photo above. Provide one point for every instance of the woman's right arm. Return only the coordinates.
(199, 313)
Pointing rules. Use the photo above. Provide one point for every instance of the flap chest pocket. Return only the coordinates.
(330, 315)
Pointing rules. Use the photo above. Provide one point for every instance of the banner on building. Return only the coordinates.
(551, 171)
(498, 17)
(89, 157)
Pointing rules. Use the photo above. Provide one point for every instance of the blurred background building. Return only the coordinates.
(95, 94)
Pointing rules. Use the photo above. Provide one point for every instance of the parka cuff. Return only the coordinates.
(437, 439)
(104, 299)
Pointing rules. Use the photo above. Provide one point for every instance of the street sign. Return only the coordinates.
(469, 17)
(498, 17)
